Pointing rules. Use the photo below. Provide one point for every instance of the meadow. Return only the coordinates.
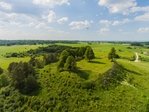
(82, 91)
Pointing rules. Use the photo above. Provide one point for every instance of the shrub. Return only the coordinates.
(3, 81)
(133, 58)
(1, 70)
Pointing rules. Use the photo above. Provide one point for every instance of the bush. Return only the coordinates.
(3, 81)
(39, 64)
(133, 58)
(1, 70)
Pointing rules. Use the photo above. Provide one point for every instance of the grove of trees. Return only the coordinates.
(68, 58)
(23, 76)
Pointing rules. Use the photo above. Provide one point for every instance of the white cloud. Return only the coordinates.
(104, 30)
(79, 25)
(144, 17)
(144, 30)
(62, 20)
(140, 9)
(51, 16)
(107, 23)
(51, 3)
(40, 25)
(118, 6)
(124, 21)
(11, 18)
(18, 20)
(5, 6)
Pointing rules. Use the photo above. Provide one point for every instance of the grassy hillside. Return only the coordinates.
(4, 62)
(83, 90)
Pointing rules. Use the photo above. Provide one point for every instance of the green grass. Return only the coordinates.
(66, 91)
(94, 67)
(4, 62)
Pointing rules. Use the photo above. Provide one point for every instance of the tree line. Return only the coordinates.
(68, 58)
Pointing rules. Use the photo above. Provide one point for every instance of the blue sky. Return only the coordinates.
(75, 19)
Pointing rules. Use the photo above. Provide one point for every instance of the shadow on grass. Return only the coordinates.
(131, 71)
(96, 62)
(97, 58)
(83, 73)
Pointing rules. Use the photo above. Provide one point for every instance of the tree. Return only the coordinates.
(89, 54)
(112, 55)
(12, 66)
(62, 59)
(20, 72)
(49, 58)
(81, 51)
(70, 63)
(30, 84)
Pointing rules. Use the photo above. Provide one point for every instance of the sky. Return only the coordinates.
(106, 20)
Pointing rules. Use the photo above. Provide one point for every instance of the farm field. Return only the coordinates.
(98, 85)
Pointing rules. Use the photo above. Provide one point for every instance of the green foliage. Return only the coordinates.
(40, 63)
(49, 58)
(30, 84)
(1, 70)
(32, 61)
(36, 62)
(81, 52)
(23, 74)
(112, 54)
(4, 81)
(89, 54)
(62, 60)
(133, 58)
(70, 63)
(71, 92)
(114, 76)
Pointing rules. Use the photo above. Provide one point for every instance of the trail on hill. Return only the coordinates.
(137, 57)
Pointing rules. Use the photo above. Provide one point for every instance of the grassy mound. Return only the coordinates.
(114, 76)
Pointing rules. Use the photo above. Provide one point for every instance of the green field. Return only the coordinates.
(68, 91)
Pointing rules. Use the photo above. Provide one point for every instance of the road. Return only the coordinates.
(137, 57)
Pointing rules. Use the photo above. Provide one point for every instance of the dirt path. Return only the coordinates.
(137, 57)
